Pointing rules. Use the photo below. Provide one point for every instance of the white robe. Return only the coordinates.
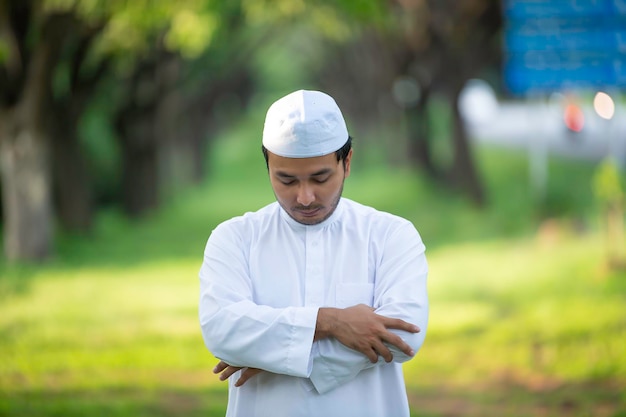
(265, 276)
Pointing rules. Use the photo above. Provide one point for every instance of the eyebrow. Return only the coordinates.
(323, 171)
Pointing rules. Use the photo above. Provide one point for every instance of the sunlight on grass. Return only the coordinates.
(525, 316)
(495, 319)
(104, 327)
(524, 312)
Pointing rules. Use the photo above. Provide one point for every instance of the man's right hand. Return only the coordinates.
(225, 371)
(361, 329)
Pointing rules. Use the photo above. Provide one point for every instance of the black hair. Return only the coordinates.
(340, 153)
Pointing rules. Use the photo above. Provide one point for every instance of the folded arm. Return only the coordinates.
(361, 329)
(401, 306)
(241, 332)
(329, 345)
(358, 328)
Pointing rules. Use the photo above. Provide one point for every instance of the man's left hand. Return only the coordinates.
(226, 371)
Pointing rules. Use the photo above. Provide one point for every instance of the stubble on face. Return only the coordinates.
(323, 178)
(314, 219)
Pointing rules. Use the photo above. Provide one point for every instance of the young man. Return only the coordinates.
(313, 302)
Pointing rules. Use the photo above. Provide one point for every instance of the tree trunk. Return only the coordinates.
(71, 183)
(204, 115)
(26, 199)
(142, 124)
(418, 126)
(73, 195)
(24, 150)
(140, 159)
(463, 170)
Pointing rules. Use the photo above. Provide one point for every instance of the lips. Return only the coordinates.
(309, 212)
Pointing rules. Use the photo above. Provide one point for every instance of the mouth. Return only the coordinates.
(309, 212)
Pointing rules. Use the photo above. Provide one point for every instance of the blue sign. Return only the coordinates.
(566, 44)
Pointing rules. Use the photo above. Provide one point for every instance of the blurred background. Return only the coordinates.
(130, 129)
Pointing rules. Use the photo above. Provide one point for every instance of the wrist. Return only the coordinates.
(325, 325)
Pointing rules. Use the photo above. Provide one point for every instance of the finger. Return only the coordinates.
(228, 372)
(395, 340)
(371, 354)
(368, 350)
(398, 324)
(220, 367)
(246, 375)
(384, 352)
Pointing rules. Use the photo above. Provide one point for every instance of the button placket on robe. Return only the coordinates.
(314, 268)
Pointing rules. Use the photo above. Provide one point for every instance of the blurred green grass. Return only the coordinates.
(526, 319)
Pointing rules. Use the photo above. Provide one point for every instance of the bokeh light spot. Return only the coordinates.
(604, 105)
(574, 118)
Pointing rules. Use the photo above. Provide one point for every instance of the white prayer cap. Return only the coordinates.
(304, 124)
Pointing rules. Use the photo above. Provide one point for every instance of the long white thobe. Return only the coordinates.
(263, 279)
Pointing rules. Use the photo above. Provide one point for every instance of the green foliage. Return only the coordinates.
(133, 27)
(100, 150)
(334, 20)
(365, 10)
(267, 10)
(4, 51)
(607, 185)
(191, 33)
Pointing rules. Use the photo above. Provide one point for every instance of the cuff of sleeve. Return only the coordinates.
(298, 360)
(331, 371)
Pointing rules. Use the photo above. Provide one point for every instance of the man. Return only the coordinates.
(313, 302)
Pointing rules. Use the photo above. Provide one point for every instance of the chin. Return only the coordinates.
(309, 221)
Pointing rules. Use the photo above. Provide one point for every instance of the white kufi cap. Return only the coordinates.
(304, 124)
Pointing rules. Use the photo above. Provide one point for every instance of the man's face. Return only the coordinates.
(308, 189)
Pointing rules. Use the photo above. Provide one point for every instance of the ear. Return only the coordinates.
(347, 161)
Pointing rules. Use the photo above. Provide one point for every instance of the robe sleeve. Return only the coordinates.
(400, 292)
(240, 332)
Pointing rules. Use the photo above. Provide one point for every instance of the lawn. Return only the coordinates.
(526, 318)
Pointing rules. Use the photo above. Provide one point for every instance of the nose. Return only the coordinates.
(305, 195)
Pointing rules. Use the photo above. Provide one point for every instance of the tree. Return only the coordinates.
(166, 112)
(75, 84)
(430, 47)
(25, 79)
(447, 43)
(43, 39)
